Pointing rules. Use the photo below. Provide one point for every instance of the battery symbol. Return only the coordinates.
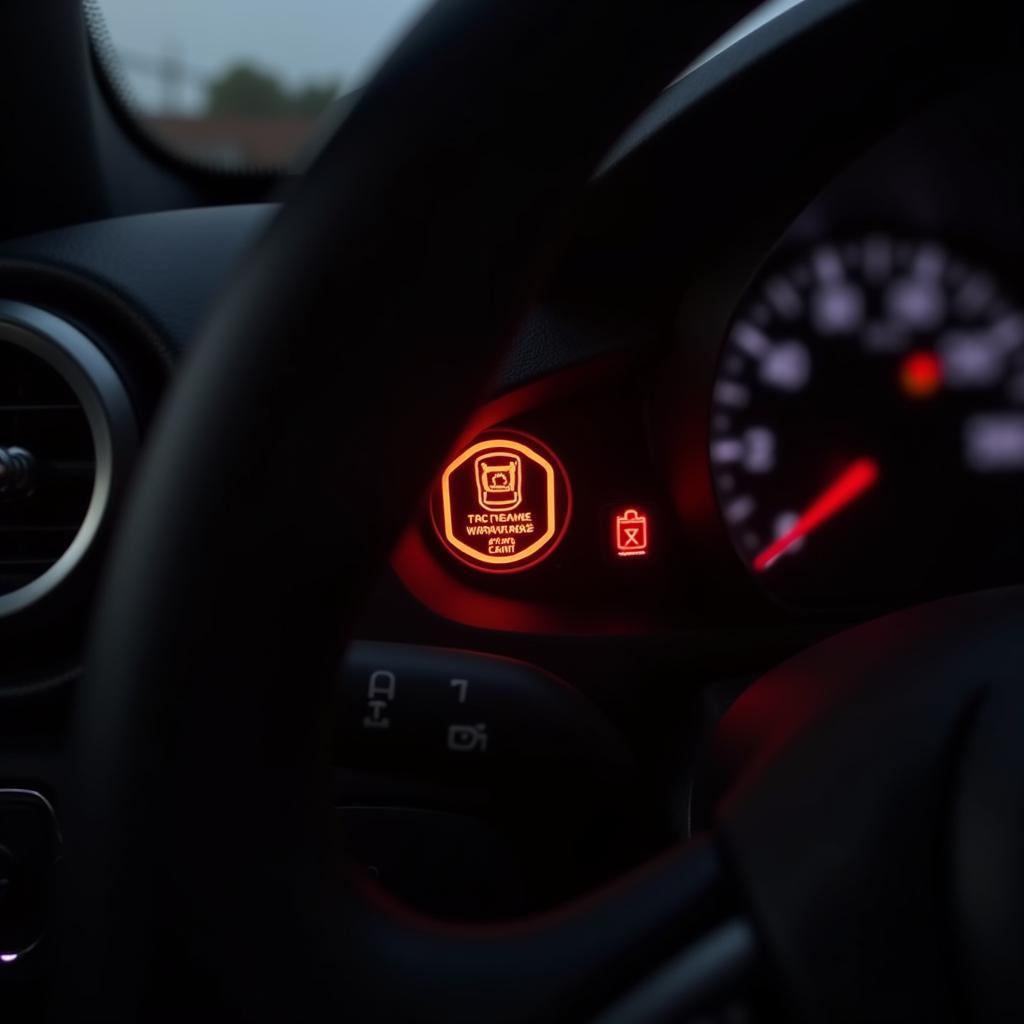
(498, 480)
(630, 534)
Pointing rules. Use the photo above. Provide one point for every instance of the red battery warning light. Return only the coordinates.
(630, 533)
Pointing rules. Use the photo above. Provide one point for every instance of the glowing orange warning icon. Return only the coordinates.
(502, 504)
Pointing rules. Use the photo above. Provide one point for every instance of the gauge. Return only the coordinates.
(867, 425)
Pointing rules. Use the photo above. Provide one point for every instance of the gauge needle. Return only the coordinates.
(857, 478)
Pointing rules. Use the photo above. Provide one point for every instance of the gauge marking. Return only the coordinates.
(916, 303)
(740, 508)
(837, 308)
(969, 360)
(747, 338)
(758, 450)
(827, 265)
(994, 442)
(728, 392)
(727, 450)
(787, 366)
(784, 522)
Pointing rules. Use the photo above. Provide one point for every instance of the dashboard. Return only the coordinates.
(866, 450)
(851, 439)
(745, 414)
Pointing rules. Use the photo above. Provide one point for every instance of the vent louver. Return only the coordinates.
(63, 417)
(41, 415)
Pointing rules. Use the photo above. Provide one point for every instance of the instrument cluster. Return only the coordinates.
(867, 425)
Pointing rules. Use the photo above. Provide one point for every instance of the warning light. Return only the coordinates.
(921, 374)
(502, 504)
(498, 482)
(630, 534)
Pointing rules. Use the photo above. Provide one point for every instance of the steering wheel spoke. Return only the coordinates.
(667, 936)
(604, 949)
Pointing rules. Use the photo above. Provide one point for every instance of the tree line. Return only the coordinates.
(245, 89)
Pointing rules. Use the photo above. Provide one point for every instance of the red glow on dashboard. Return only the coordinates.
(921, 374)
(431, 577)
(430, 584)
(859, 476)
(631, 533)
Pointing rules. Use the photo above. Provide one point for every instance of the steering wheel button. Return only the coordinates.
(404, 706)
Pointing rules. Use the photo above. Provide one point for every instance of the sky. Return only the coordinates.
(299, 39)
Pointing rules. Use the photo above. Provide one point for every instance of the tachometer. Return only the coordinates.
(867, 431)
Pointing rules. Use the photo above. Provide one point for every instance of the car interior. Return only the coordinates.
(553, 552)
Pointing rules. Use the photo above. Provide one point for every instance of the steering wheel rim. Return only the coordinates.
(198, 836)
(200, 738)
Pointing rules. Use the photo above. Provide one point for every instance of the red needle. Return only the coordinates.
(857, 478)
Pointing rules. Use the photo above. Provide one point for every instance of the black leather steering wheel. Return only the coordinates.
(311, 415)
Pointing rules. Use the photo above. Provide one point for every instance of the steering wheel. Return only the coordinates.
(871, 780)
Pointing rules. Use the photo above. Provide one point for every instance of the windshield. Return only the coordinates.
(241, 84)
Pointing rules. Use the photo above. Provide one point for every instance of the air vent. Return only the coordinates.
(65, 425)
